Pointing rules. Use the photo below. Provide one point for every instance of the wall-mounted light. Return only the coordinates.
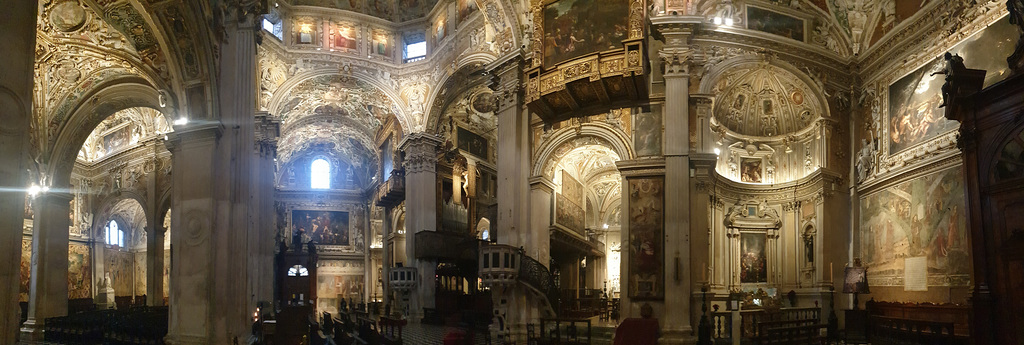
(605, 226)
(718, 151)
(181, 121)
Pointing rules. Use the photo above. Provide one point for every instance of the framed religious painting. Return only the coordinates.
(320, 227)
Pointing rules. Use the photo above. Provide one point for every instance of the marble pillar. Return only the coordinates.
(48, 287)
(17, 41)
(421, 212)
(677, 325)
(677, 58)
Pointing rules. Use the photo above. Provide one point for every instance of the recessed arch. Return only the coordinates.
(587, 134)
(116, 96)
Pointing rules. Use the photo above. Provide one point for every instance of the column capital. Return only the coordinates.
(420, 152)
(677, 61)
(506, 78)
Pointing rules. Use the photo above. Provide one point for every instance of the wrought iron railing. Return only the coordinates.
(535, 275)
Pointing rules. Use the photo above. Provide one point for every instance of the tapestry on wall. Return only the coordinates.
(121, 266)
(573, 28)
(569, 212)
(79, 271)
(920, 218)
(337, 280)
(914, 113)
(322, 227)
(568, 215)
(646, 238)
(140, 273)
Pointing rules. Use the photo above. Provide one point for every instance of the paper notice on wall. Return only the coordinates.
(915, 272)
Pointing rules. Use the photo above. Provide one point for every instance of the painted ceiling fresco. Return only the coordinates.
(339, 111)
(765, 101)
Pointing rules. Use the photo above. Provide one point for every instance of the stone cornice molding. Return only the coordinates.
(641, 167)
(541, 183)
(193, 134)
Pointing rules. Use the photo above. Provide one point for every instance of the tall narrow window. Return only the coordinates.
(115, 236)
(320, 174)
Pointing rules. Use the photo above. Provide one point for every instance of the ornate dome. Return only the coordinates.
(762, 100)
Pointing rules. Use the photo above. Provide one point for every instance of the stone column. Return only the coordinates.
(235, 233)
(48, 290)
(192, 205)
(421, 212)
(154, 238)
(513, 157)
(541, 191)
(155, 264)
(17, 41)
(676, 60)
(267, 132)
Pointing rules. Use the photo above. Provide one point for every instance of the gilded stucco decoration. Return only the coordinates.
(762, 100)
(121, 131)
(473, 110)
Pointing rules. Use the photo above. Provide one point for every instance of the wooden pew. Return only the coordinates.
(797, 332)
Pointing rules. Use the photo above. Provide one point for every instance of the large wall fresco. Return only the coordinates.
(573, 28)
(914, 100)
(646, 238)
(79, 271)
(923, 217)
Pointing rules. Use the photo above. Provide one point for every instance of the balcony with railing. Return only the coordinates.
(392, 191)
(403, 278)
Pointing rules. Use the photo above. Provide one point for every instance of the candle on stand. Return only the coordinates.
(830, 271)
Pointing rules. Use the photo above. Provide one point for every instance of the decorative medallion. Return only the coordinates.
(67, 16)
(68, 72)
(483, 102)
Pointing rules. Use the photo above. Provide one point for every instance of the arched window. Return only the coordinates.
(320, 174)
(115, 237)
(298, 271)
